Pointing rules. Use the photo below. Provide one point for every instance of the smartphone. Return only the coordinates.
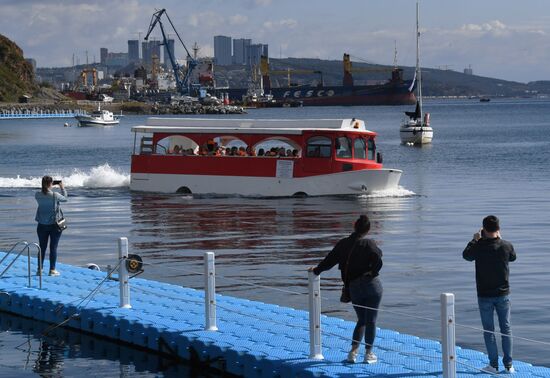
(481, 233)
(56, 182)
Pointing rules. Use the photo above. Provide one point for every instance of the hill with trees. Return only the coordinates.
(435, 82)
(16, 74)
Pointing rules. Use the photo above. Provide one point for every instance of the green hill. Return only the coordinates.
(16, 75)
(435, 82)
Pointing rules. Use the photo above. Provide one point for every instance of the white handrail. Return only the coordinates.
(315, 348)
(209, 292)
(123, 277)
(448, 347)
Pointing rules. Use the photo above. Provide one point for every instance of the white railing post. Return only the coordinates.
(448, 347)
(314, 286)
(123, 278)
(209, 292)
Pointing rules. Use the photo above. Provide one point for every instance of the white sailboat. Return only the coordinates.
(415, 129)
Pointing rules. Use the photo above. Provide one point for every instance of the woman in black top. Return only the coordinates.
(359, 261)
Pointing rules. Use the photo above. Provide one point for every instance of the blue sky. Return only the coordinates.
(499, 38)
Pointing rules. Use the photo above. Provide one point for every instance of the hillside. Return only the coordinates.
(16, 76)
(435, 82)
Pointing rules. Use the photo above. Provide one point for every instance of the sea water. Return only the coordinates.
(486, 158)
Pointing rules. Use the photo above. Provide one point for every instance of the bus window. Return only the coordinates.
(343, 147)
(318, 147)
(372, 149)
(359, 149)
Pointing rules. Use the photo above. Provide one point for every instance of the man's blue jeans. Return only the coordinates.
(45, 232)
(487, 308)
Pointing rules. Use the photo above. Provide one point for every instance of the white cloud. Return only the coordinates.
(206, 19)
(287, 23)
(238, 19)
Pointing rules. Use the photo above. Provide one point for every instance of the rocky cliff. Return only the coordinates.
(16, 75)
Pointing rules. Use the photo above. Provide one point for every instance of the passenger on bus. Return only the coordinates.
(210, 145)
(242, 151)
(250, 151)
(295, 153)
(234, 151)
(203, 151)
(261, 152)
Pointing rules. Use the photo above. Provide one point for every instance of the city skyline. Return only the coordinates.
(500, 39)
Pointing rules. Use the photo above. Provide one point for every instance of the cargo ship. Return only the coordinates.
(395, 91)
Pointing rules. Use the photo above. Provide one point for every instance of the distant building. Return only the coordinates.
(469, 70)
(222, 50)
(148, 49)
(133, 50)
(32, 62)
(169, 47)
(116, 59)
(103, 54)
(240, 50)
(255, 53)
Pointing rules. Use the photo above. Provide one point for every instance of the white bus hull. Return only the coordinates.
(351, 182)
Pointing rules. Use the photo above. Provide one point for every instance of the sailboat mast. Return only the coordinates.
(418, 71)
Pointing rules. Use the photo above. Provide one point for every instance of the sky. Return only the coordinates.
(506, 39)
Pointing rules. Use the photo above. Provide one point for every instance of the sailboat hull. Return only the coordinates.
(416, 134)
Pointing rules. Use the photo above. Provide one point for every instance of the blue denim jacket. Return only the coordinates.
(45, 214)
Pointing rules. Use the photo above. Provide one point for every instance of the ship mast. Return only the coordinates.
(418, 71)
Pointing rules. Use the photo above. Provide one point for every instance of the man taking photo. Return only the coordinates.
(492, 255)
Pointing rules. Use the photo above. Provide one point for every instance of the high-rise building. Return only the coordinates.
(148, 49)
(133, 50)
(116, 59)
(255, 53)
(240, 50)
(222, 50)
(103, 54)
(169, 47)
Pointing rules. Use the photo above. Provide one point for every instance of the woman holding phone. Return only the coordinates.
(46, 216)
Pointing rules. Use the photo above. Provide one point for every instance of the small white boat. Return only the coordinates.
(416, 129)
(98, 118)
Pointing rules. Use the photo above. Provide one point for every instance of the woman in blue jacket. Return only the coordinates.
(46, 216)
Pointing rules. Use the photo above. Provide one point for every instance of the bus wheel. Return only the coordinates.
(299, 195)
(184, 190)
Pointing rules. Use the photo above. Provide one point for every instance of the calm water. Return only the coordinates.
(486, 158)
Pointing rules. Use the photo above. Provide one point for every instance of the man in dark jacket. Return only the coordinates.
(492, 255)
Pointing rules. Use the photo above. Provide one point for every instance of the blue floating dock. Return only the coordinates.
(254, 339)
(38, 115)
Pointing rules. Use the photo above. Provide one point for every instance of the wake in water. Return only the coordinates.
(390, 193)
(102, 176)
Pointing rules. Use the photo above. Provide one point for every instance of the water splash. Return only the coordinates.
(102, 176)
(398, 192)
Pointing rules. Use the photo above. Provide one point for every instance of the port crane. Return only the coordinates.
(181, 83)
(397, 73)
(265, 71)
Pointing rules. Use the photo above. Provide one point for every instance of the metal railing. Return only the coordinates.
(26, 247)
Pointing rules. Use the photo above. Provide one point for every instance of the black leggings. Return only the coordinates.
(365, 291)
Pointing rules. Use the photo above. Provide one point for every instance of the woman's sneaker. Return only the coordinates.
(490, 369)
(54, 272)
(352, 356)
(370, 358)
(509, 370)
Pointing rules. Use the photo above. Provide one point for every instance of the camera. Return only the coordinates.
(56, 182)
